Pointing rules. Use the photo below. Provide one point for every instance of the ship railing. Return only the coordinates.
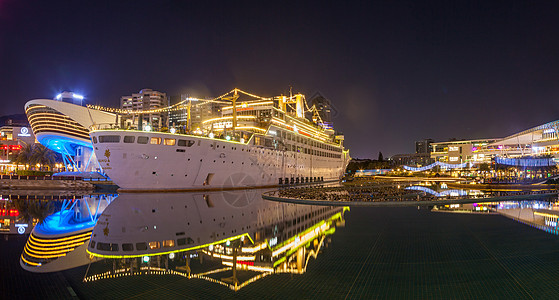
(241, 136)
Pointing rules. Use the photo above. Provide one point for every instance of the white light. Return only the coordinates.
(78, 96)
(227, 243)
(173, 130)
(295, 128)
(147, 128)
(228, 138)
(211, 135)
(146, 259)
(58, 96)
(171, 255)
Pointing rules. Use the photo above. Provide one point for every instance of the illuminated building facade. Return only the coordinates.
(62, 125)
(145, 100)
(463, 151)
(12, 139)
(534, 147)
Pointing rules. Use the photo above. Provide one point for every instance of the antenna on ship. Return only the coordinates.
(234, 100)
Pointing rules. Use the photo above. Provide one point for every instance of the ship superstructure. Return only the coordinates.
(255, 142)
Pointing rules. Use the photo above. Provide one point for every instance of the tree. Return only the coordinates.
(25, 155)
(380, 157)
(44, 156)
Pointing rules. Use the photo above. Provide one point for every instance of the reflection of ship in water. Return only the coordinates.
(235, 236)
(60, 241)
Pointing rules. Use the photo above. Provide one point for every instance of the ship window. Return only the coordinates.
(127, 247)
(143, 140)
(95, 140)
(109, 138)
(154, 245)
(141, 246)
(155, 141)
(92, 244)
(129, 139)
(104, 246)
(168, 243)
(185, 143)
(181, 242)
(169, 142)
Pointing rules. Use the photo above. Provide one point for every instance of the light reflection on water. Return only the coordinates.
(229, 234)
(230, 239)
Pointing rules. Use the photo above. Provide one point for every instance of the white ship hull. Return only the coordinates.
(207, 164)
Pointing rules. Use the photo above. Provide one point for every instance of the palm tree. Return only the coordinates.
(43, 155)
(25, 155)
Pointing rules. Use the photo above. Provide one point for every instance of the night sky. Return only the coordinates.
(396, 71)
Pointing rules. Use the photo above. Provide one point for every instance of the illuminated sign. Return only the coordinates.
(273, 241)
(453, 158)
(24, 132)
(21, 228)
(453, 148)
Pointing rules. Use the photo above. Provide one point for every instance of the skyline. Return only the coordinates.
(395, 72)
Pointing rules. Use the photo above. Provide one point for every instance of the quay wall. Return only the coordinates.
(22, 184)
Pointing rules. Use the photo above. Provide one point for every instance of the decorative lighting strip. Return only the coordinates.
(438, 163)
(525, 162)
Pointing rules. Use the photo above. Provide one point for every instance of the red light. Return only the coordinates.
(14, 213)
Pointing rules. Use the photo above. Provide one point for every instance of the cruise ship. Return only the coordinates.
(254, 142)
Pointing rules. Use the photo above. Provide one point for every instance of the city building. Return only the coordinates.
(199, 110)
(323, 108)
(12, 139)
(462, 151)
(145, 100)
(423, 146)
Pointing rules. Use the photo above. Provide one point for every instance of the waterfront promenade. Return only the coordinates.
(396, 193)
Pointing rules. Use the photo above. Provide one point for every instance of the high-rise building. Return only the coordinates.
(423, 146)
(200, 111)
(145, 100)
(324, 110)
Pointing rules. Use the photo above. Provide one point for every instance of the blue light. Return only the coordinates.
(525, 162)
(437, 194)
(444, 165)
(58, 96)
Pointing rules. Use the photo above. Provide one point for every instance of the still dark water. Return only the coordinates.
(372, 253)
